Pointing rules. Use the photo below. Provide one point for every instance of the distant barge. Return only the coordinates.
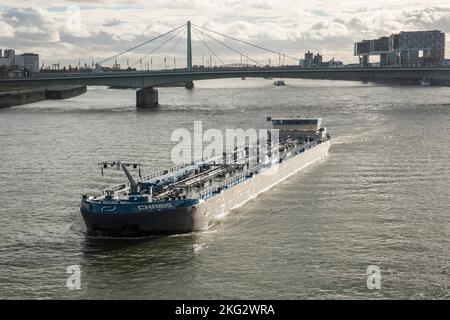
(192, 197)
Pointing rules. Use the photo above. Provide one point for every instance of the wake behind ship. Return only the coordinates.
(191, 197)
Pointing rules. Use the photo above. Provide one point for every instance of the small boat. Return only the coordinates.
(279, 83)
(425, 82)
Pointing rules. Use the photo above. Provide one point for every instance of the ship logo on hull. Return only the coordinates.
(108, 209)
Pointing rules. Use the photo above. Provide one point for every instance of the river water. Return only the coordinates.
(381, 197)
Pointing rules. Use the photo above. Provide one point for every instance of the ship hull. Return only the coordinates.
(140, 219)
(141, 224)
(194, 215)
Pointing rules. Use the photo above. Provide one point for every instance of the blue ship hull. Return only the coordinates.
(141, 218)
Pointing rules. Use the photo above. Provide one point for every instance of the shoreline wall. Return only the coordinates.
(16, 98)
(64, 92)
(20, 97)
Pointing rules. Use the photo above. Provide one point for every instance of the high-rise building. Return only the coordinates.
(9, 53)
(308, 58)
(311, 60)
(26, 61)
(29, 61)
(317, 59)
(410, 44)
(7, 59)
(409, 48)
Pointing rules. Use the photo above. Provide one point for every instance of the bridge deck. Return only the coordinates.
(142, 79)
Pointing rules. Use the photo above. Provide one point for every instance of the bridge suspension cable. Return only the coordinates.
(210, 50)
(245, 42)
(179, 37)
(141, 44)
(158, 47)
(227, 46)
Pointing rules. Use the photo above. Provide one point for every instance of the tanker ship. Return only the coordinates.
(192, 196)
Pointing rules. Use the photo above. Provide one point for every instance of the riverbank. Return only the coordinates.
(64, 92)
(13, 97)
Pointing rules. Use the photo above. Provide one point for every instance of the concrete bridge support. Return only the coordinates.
(146, 98)
(189, 85)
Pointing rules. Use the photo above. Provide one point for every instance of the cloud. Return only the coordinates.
(28, 25)
(27, 17)
(432, 17)
(7, 31)
(260, 4)
(326, 30)
(110, 23)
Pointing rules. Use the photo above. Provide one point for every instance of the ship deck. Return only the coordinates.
(207, 178)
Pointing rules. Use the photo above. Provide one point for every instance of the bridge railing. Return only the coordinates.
(125, 73)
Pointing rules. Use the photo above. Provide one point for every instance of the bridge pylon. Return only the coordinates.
(189, 47)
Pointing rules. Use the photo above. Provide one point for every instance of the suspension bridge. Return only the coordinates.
(146, 78)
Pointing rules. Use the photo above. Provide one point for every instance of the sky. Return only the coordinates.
(92, 30)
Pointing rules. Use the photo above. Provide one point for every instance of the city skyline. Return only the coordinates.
(91, 30)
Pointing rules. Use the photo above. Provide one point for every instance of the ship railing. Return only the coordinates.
(301, 148)
(115, 188)
(175, 169)
(160, 173)
(207, 192)
(164, 172)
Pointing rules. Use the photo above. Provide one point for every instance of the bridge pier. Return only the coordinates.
(146, 98)
(189, 85)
